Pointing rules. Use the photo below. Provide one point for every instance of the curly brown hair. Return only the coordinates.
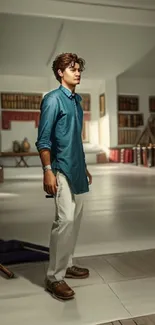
(64, 60)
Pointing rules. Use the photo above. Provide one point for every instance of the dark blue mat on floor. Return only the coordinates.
(16, 252)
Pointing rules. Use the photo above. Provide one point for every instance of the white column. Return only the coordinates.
(93, 124)
(111, 109)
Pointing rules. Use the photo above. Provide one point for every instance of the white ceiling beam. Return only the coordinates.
(78, 11)
(56, 44)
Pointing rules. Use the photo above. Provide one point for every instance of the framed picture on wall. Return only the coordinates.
(85, 103)
(102, 105)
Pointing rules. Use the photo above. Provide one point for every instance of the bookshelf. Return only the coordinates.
(20, 101)
(17, 106)
(128, 103)
(130, 120)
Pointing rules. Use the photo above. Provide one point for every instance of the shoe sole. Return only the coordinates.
(77, 277)
(60, 298)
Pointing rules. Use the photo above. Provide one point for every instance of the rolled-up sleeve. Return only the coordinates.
(48, 116)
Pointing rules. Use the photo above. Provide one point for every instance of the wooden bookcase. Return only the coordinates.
(128, 103)
(16, 106)
(20, 101)
(130, 120)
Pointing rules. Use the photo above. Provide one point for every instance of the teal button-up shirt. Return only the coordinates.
(59, 130)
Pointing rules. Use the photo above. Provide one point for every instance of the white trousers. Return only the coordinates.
(65, 229)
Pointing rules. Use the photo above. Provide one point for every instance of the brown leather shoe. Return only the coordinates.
(59, 289)
(76, 272)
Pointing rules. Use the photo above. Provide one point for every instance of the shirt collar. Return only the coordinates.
(69, 94)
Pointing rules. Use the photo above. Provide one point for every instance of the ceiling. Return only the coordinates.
(29, 44)
(26, 43)
(144, 68)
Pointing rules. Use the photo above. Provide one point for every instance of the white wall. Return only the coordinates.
(107, 124)
(103, 124)
(98, 87)
(23, 83)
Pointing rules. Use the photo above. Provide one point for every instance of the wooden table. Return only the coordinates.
(19, 157)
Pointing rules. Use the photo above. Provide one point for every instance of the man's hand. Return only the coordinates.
(50, 182)
(89, 176)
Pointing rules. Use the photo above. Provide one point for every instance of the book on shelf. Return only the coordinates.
(127, 136)
(128, 103)
(130, 120)
(20, 101)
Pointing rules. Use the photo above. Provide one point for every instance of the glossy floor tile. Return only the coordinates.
(17, 288)
(137, 296)
(118, 214)
(92, 304)
(34, 272)
(110, 293)
(106, 271)
(118, 218)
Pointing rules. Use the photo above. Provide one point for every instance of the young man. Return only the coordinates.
(66, 176)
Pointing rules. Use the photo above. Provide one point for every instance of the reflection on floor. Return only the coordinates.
(119, 217)
(120, 286)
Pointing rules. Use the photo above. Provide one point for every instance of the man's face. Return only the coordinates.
(72, 75)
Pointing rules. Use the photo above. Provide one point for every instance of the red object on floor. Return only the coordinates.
(128, 157)
(114, 155)
(101, 158)
(145, 159)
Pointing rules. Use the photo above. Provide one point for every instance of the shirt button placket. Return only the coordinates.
(74, 102)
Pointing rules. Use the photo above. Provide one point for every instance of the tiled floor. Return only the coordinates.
(119, 217)
(115, 211)
(119, 287)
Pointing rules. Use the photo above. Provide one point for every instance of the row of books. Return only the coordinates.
(130, 120)
(20, 101)
(128, 136)
(20, 105)
(131, 103)
(128, 103)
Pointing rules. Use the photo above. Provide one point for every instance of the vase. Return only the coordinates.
(25, 145)
(16, 146)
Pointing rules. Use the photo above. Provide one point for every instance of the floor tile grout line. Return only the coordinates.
(114, 267)
(143, 259)
(140, 268)
(131, 279)
(18, 296)
(119, 300)
(144, 275)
